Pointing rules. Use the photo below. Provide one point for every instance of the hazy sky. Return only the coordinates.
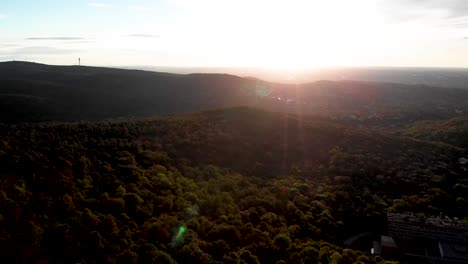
(287, 34)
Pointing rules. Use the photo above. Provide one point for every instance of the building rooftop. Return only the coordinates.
(433, 222)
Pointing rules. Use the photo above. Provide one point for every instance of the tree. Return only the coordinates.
(282, 242)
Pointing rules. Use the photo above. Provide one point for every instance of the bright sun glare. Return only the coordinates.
(291, 35)
(284, 35)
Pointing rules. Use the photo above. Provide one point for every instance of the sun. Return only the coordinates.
(301, 34)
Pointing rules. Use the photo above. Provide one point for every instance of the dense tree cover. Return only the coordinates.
(453, 131)
(35, 92)
(231, 186)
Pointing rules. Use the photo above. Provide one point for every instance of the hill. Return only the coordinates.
(35, 92)
(89, 93)
(236, 186)
(434, 77)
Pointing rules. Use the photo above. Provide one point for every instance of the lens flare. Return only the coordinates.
(178, 238)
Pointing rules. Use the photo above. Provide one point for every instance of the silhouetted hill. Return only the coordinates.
(74, 92)
(437, 77)
(37, 92)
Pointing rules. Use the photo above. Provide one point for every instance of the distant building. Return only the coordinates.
(414, 239)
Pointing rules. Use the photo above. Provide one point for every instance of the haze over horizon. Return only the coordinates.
(286, 35)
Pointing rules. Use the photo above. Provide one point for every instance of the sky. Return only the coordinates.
(276, 34)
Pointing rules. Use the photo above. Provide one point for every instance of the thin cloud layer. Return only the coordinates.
(78, 42)
(44, 50)
(55, 38)
(9, 45)
(453, 8)
(412, 9)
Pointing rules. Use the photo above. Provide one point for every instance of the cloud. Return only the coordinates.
(78, 42)
(419, 8)
(454, 8)
(56, 38)
(43, 50)
(143, 36)
(98, 5)
(9, 45)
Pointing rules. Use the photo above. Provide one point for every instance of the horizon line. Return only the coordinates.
(244, 67)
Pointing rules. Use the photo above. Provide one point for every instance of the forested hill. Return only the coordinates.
(234, 186)
(36, 92)
(32, 92)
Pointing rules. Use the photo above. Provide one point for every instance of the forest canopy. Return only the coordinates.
(239, 185)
